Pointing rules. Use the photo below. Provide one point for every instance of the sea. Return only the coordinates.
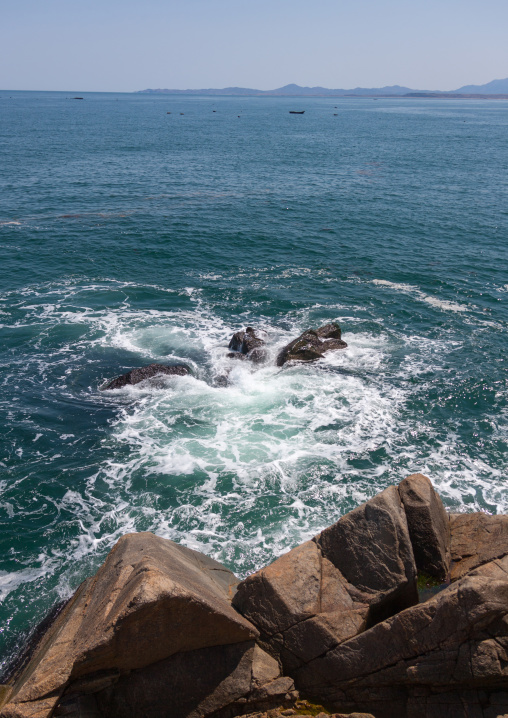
(149, 228)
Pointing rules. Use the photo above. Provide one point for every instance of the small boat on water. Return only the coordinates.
(296, 112)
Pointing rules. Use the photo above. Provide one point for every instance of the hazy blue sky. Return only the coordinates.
(128, 45)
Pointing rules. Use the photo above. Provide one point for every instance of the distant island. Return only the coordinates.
(497, 89)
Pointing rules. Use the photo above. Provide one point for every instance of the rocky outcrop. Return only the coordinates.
(444, 658)
(372, 549)
(312, 344)
(429, 526)
(325, 591)
(341, 613)
(475, 540)
(164, 632)
(248, 343)
(126, 642)
(147, 372)
(303, 709)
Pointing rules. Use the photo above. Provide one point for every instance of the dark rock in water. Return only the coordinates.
(429, 526)
(331, 344)
(235, 343)
(249, 344)
(476, 539)
(222, 381)
(306, 347)
(312, 344)
(329, 331)
(152, 634)
(236, 355)
(147, 372)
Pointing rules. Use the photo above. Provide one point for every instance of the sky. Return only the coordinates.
(128, 45)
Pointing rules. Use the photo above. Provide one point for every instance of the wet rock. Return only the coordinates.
(147, 372)
(248, 343)
(307, 347)
(153, 628)
(328, 590)
(236, 340)
(329, 331)
(476, 539)
(312, 345)
(429, 526)
(443, 658)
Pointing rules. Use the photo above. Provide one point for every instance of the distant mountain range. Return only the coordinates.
(495, 88)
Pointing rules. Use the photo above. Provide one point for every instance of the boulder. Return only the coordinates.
(147, 372)
(248, 343)
(302, 606)
(235, 343)
(371, 547)
(312, 344)
(327, 590)
(142, 629)
(428, 524)
(476, 539)
(445, 658)
(329, 331)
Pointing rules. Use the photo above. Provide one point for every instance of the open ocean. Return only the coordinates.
(130, 236)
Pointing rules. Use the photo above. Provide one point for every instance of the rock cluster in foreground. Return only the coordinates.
(165, 632)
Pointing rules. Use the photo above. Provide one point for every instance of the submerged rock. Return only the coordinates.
(312, 344)
(147, 372)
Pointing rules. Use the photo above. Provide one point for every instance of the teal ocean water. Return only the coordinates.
(130, 236)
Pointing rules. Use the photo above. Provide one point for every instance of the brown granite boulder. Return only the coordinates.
(153, 621)
(147, 372)
(371, 547)
(312, 344)
(445, 658)
(476, 539)
(325, 591)
(428, 524)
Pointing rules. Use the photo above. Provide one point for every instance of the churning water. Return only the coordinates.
(130, 236)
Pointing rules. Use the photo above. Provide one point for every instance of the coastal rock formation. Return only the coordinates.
(476, 539)
(128, 640)
(165, 632)
(327, 590)
(429, 526)
(304, 709)
(147, 372)
(248, 343)
(444, 658)
(312, 344)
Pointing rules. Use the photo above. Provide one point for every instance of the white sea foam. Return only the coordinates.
(416, 293)
(245, 470)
